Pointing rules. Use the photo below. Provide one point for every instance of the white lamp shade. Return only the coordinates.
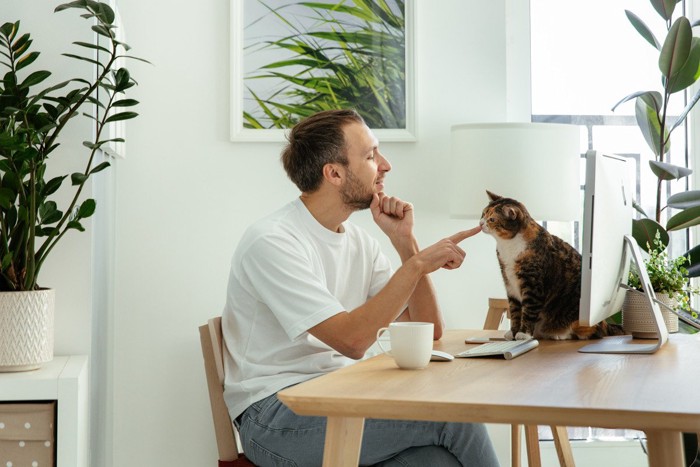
(537, 164)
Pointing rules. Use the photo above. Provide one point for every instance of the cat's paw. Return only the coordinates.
(509, 335)
(522, 336)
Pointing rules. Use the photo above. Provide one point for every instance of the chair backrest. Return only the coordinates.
(498, 309)
(212, 350)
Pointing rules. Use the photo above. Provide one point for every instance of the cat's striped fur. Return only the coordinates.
(542, 275)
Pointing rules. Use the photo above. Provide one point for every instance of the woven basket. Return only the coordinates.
(26, 329)
(637, 318)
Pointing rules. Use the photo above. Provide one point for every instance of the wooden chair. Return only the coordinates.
(498, 308)
(225, 431)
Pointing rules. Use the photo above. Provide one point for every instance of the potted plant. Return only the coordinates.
(679, 66)
(668, 278)
(32, 119)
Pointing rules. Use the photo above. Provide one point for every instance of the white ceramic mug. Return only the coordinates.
(411, 343)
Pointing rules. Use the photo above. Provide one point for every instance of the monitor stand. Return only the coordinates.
(623, 344)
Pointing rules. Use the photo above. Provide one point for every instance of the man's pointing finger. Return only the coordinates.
(464, 234)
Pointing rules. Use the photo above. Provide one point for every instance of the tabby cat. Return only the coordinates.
(542, 275)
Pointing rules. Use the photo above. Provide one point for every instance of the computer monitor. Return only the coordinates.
(607, 249)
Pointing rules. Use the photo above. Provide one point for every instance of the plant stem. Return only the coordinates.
(52, 239)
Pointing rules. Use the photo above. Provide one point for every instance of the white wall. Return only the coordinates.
(185, 194)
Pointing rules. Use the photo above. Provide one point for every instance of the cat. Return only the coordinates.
(542, 275)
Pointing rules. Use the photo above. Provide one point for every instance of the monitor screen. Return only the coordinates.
(607, 250)
(607, 218)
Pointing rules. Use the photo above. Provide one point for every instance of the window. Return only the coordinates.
(582, 68)
(585, 57)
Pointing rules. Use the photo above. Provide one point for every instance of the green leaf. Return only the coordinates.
(666, 171)
(100, 167)
(104, 12)
(125, 103)
(34, 78)
(684, 200)
(122, 80)
(49, 213)
(684, 219)
(76, 4)
(664, 8)
(53, 185)
(648, 122)
(90, 45)
(6, 260)
(639, 208)
(87, 208)
(85, 59)
(121, 116)
(7, 197)
(20, 45)
(693, 256)
(689, 106)
(655, 97)
(676, 48)
(78, 178)
(644, 231)
(103, 31)
(9, 29)
(26, 60)
(75, 225)
(689, 72)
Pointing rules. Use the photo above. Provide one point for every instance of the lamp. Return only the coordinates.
(537, 164)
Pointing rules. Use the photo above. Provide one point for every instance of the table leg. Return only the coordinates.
(515, 436)
(532, 444)
(343, 441)
(665, 449)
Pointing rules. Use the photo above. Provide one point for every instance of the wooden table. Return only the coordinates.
(551, 385)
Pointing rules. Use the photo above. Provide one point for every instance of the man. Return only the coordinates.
(308, 291)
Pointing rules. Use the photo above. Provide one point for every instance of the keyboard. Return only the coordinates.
(506, 349)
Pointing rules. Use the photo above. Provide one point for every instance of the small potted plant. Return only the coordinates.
(31, 123)
(669, 279)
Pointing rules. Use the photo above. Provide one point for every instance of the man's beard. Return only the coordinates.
(354, 194)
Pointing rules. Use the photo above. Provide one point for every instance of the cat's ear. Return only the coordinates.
(511, 213)
(493, 196)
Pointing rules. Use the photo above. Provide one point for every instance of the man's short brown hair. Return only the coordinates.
(314, 142)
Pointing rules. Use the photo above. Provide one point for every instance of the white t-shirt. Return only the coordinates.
(288, 274)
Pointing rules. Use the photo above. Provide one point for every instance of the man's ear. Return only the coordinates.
(334, 173)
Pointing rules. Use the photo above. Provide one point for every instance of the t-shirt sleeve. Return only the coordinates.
(281, 274)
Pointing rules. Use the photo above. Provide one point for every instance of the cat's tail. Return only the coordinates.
(600, 330)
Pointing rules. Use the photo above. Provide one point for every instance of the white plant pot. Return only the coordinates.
(637, 318)
(26, 329)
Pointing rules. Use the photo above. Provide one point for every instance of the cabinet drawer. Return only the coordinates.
(27, 434)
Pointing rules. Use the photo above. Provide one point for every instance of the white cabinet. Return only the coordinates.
(64, 380)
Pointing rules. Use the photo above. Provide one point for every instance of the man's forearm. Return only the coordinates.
(422, 303)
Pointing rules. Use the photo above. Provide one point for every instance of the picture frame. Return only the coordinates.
(260, 56)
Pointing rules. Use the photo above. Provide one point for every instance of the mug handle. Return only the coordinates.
(379, 343)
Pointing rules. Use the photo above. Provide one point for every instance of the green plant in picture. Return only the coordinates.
(353, 55)
(679, 67)
(32, 120)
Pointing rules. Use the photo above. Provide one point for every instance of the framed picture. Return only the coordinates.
(291, 59)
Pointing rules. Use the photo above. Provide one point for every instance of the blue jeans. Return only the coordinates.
(273, 435)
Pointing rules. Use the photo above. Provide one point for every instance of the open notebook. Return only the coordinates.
(505, 349)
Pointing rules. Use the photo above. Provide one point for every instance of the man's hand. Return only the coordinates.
(393, 216)
(446, 253)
